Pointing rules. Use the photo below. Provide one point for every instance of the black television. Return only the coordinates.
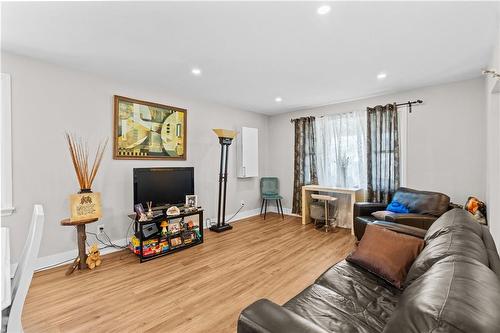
(163, 186)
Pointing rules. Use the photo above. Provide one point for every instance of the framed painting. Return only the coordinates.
(145, 130)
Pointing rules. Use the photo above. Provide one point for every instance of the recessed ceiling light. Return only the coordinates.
(322, 10)
(381, 76)
(196, 71)
(278, 99)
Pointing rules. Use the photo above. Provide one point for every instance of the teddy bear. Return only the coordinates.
(94, 257)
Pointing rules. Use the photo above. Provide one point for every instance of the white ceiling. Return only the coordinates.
(251, 52)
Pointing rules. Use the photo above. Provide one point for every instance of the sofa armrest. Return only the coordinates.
(367, 208)
(264, 316)
(402, 229)
(414, 220)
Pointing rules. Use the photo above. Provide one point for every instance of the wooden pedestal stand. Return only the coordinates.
(81, 237)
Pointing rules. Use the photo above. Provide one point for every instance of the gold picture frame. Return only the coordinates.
(145, 130)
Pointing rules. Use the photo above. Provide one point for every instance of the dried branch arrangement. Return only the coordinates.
(80, 157)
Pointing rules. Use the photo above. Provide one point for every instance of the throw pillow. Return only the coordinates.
(381, 214)
(386, 253)
(397, 207)
(477, 208)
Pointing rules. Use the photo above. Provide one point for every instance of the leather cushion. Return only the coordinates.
(493, 258)
(457, 294)
(365, 219)
(455, 219)
(386, 253)
(455, 242)
(347, 299)
(381, 214)
(422, 202)
(266, 316)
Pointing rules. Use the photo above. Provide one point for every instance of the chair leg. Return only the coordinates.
(261, 207)
(265, 209)
(281, 208)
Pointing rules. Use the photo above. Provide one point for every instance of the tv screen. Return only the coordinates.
(163, 186)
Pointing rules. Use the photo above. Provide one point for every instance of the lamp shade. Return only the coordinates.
(224, 133)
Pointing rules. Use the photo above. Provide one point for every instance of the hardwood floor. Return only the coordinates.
(202, 289)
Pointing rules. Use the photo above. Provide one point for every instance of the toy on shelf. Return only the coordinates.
(164, 246)
(174, 227)
(176, 241)
(94, 257)
(188, 237)
(163, 226)
(150, 214)
(173, 211)
(141, 214)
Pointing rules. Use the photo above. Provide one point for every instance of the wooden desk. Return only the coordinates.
(356, 194)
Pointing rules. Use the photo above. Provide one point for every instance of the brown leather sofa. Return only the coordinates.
(424, 206)
(453, 286)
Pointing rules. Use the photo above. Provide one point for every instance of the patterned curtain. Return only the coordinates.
(305, 172)
(382, 153)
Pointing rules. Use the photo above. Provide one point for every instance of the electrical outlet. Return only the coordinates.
(100, 228)
(242, 202)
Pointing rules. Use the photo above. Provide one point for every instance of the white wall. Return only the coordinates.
(493, 147)
(447, 136)
(446, 139)
(48, 100)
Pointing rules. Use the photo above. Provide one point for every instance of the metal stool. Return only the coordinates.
(326, 211)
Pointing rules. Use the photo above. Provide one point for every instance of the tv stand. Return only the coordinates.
(176, 239)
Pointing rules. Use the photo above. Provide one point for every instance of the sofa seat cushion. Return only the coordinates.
(347, 299)
(457, 294)
(412, 220)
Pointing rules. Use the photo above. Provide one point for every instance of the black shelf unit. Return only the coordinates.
(138, 232)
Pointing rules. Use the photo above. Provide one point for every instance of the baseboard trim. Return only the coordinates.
(65, 258)
(240, 216)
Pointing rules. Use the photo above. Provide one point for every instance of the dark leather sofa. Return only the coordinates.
(424, 206)
(453, 286)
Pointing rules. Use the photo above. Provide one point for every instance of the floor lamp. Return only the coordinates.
(225, 139)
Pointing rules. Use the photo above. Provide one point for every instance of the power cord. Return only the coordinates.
(108, 239)
(111, 244)
(241, 207)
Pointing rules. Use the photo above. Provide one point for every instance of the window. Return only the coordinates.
(341, 150)
(6, 146)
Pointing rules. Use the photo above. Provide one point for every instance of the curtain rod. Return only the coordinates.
(409, 103)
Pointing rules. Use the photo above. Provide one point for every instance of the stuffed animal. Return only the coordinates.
(94, 257)
(163, 226)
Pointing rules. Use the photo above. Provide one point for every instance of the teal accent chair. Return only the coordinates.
(270, 190)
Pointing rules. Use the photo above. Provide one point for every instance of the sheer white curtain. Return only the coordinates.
(341, 156)
(341, 149)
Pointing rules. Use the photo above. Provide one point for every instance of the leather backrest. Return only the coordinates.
(455, 219)
(422, 202)
(493, 258)
(459, 219)
(455, 242)
(457, 294)
(455, 233)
